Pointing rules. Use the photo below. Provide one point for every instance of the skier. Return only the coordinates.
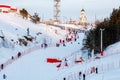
(4, 76)
(63, 43)
(83, 76)
(96, 70)
(12, 57)
(64, 78)
(89, 54)
(65, 59)
(75, 39)
(80, 75)
(42, 45)
(66, 62)
(2, 66)
(45, 45)
(19, 54)
(60, 40)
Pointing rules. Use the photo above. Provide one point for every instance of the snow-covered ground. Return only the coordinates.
(13, 27)
(34, 66)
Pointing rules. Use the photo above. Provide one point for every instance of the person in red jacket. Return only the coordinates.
(19, 54)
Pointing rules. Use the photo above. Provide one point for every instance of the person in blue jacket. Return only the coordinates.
(4, 76)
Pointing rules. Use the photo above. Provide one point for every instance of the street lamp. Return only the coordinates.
(101, 51)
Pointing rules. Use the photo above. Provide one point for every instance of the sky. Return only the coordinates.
(69, 8)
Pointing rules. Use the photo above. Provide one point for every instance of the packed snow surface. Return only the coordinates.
(34, 65)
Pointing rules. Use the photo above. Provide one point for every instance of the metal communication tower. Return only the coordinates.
(57, 10)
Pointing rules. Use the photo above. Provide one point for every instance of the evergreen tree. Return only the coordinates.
(111, 34)
(24, 13)
(35, 18)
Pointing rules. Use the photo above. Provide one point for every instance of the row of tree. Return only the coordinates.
(35, 18)
(111, 33)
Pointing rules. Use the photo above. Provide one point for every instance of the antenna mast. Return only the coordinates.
(57, 10)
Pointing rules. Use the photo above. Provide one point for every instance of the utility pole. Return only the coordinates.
(93, 51)
(101, 51)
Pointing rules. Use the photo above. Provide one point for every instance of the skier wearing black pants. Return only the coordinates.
(96, 70)
(80, 75)
(83, 76)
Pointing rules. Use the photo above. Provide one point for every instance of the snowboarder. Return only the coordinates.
(4, 76)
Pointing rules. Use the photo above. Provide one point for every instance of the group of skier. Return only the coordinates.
(2, 65)
(82, 76)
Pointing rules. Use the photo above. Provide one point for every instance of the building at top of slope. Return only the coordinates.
(83, 19)
(7, 9)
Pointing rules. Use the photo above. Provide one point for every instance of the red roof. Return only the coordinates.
(5, 6)
(13, 9)
(9, 7)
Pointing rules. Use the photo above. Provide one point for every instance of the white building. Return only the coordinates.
(83, 18)
(7, 9)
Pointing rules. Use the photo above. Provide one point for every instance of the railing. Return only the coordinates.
(32, 49)
(14, 58)
(74, 75)
(103, 67)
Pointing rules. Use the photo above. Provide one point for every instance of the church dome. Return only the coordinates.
(82, 10)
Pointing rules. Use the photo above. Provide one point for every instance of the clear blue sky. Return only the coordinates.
(69, 8)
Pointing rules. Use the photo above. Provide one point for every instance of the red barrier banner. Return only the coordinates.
(53, 60)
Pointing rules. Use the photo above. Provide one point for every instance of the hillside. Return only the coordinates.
(32, 64)
(13, 28)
